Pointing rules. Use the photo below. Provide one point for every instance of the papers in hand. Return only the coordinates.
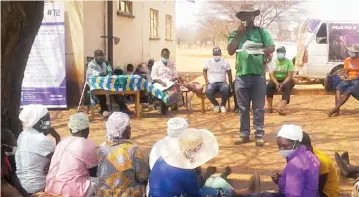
(163, 88)
(252, 48)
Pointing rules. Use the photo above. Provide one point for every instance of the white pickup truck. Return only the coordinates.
(322, 47)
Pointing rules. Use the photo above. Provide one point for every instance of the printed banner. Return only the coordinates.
(342, 36)
(45, 74)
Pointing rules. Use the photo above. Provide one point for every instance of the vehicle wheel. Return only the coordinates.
(338, 70)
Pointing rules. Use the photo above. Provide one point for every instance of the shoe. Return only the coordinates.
(254, 185)
(106, 114)
(345, 157)
(242, 140)
(216, 109)
(341, 165)
(259, 141)
(223, 109)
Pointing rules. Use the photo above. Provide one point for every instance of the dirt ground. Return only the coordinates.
(330, 135)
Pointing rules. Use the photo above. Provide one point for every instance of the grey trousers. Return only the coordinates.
(251, 88)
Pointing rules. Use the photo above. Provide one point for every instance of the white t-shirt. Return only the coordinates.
(31, 160)
(217, 71)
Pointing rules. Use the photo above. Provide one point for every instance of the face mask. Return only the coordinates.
(353, 55)
(216, 58)
(164, 60)
(286, 153)
(280, 56)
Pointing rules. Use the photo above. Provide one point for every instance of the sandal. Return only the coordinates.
(282, 112)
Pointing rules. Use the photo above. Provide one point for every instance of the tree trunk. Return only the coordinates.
(20, 21)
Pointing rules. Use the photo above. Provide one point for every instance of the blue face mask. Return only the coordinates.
(164, 60)
(280, 56)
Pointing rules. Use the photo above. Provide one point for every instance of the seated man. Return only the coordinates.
(98, 67)
(214, 72)
(328, 179)
(35, 149)
(74, 162)
(165, 77)
(350, 84)
(122, 167)
(281, 79)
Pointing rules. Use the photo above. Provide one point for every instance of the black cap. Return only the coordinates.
(281, 49)
(216, 51)
(99, 53)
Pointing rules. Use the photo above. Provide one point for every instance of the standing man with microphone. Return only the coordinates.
(250, 83)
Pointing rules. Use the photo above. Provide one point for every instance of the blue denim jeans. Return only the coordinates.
(221, 87)
(251, 88)
(213, 192)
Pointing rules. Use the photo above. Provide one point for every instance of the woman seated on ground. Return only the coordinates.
(281, 80)
(74, 164)
(122, 169)
(165, 77)
(35, 149)
(328, 179)
(350, 84)
(299, 178)
(177, 171)
(10, 183)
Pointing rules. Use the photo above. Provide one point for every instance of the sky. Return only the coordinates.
(340, 10)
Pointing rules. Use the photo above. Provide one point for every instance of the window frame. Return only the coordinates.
(169, 27)
(154, 24)
(125, 12)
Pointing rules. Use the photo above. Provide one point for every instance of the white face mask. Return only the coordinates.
(216, 58)
(353, 55)
(286, 153)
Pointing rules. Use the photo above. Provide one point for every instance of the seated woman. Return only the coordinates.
(281, 80)
(177, 172)
(165, 77)
(299, 178)
(122, 169)
(350, 84)
(328, 179)
(35, 149)
(74, 164)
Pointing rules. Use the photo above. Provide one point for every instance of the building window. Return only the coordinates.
(154, 24)
(169, 27)
(125, 8)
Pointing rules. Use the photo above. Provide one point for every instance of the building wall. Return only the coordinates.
(74, 50)
(135, 45)
(86, 22)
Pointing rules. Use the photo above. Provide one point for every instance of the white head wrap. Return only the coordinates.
(116, 125)
(291, 132)
(175, 126)
(31, 114)
(78, 122)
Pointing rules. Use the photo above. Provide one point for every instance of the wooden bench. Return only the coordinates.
(105, 92)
